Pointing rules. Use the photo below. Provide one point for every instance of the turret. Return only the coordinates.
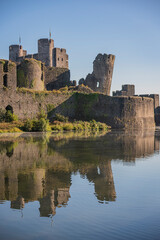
(60, 58)
(45, 51)
(16, 51)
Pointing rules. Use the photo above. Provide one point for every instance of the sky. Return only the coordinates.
(129, 29)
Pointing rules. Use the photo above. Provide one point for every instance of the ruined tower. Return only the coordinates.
(45, 51)
(30, 74)
(101, 78)
(8, 75)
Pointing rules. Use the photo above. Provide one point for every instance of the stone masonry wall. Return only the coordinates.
(101, 78)
(118, 112)
(45, 48)
(56, 78)
(60, 58)
(30, 74)
(8, 75)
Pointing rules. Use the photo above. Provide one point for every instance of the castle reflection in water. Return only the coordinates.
(39, 167)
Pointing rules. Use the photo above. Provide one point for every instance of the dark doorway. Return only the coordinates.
(9, 108)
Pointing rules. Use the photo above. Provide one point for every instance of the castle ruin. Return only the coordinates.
(48, 70)
(101, 78)
(47, 53)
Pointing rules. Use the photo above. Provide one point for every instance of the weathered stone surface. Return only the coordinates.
(101, 78)
(47, 54)
(127, 90)
(8, 75)
(30, 74)
(56, 78)
(60, 58)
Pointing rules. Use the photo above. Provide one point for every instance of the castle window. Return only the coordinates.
(61, 49)
(62, 59)
(58, 59)
(42, 76)
(97, 84)
(5, 84)
(109, 71)
(5, 67)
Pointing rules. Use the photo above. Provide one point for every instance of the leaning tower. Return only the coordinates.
(101, 78)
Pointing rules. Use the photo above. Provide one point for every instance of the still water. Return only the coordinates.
(80, 187)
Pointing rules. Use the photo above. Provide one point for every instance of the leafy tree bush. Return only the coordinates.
(37, 125)
(10, 117)
(28, 125)
(61, 118)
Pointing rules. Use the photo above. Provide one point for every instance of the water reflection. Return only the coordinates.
(39, 167)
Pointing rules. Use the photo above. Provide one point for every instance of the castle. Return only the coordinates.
(47, 53)
(47, 70)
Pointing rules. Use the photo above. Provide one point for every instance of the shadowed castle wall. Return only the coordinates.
(56, 78)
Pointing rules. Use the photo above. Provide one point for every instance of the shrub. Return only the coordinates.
(28, 125)
(78, 127)
(41, 115)
(94, 125)
(102, 126)
(64, 89)
(41, 125)
(50, 108)
(37, 125)
(2, 115)
(61, 118)
(56, 127)
(10, 117)
(68, 127)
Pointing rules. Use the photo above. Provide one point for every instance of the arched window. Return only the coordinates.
(5, 83)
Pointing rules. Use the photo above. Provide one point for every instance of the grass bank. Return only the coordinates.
(9, 124)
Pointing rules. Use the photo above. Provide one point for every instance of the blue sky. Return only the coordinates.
(129, 29)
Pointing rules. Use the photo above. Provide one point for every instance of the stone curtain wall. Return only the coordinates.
(26, 104)
(118, 112)
(56, 78)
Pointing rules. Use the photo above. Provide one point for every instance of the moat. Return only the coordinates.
(76, 186)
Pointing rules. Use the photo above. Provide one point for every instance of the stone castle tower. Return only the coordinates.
(8, 75)
(101, 78)
(52, 57)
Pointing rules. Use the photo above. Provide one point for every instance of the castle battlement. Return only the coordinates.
(50, 56)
